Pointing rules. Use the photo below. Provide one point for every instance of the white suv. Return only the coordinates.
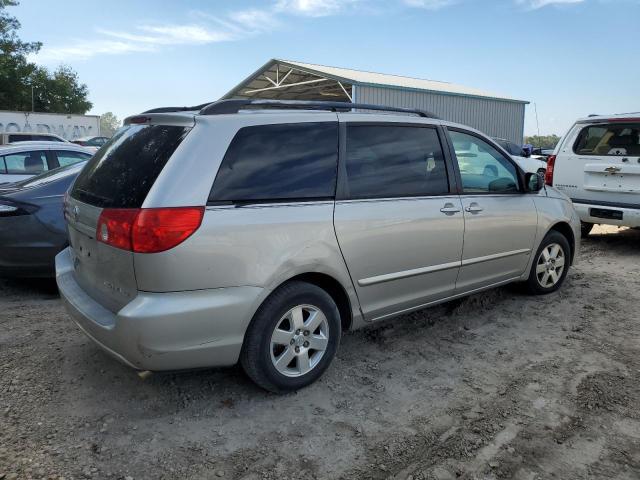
(597, 164)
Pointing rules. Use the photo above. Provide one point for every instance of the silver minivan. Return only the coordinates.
(259, 231)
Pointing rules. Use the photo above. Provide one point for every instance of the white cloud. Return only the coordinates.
(82, 50)
(536, 4)
(429, 4)
(205, 28)
(149, 38)
(171, 35)
(255, 20)
(312, 8)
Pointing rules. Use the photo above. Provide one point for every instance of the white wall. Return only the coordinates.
(67, 126)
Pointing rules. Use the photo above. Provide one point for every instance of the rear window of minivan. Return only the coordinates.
(123, 171)
(617, 139)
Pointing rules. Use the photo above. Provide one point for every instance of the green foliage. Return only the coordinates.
(59, 91)
(543, 141)
(109, 123)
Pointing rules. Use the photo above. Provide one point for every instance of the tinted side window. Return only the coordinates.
(26, 163)
(279, 162)
(67, 157)
(20, 138)
(482, 167)
(394, 161)
(609, 140)
(514, 149)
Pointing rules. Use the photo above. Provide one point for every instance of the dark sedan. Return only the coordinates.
(32, 226)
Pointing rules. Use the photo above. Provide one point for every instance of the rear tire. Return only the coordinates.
(585, 228)
(550, 265)
(292, 338)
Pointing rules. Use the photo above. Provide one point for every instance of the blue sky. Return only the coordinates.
(570, 57)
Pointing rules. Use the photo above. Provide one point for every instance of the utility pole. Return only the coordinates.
(33, 107)
(537, 124)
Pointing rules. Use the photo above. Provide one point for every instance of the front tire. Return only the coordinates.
(551, 264)
(292, 338)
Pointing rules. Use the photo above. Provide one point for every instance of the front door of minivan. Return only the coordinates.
(398, 226)
(500, 220)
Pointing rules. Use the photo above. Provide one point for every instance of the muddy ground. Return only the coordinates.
(499, 385)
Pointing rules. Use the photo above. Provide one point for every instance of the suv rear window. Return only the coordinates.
(618, 139)
(121, 174)
(279, 162)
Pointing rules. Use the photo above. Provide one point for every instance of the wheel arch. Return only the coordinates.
(335, 289)
(565, 230)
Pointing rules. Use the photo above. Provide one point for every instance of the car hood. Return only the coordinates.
(555, 193)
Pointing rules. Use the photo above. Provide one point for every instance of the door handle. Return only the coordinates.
(473, 208)
(449, 209)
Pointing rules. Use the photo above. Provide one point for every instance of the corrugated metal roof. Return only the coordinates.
(359, 77)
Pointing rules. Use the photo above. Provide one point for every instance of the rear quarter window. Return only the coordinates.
(279, 162)
(609, 140)
(121, 173)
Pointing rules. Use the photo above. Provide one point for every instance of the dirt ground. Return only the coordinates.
(499, 385)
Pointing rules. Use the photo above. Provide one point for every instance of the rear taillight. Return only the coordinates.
(114, 227)
(159, 229)
(548, 176)
(148, 230)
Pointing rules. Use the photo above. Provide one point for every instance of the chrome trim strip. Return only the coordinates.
(388, 277)
(495, 256)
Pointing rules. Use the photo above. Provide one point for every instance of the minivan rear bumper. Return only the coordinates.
(595, 213)
(164, 331)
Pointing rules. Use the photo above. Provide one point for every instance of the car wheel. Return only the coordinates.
(585, 228)
(292, 338)
(550, 265)
(541, 171)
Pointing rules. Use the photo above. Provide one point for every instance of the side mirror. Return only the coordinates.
(533, 181)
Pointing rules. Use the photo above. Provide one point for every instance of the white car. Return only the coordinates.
(15, 137)
(26, 159)
(528, 164)
(597, 164)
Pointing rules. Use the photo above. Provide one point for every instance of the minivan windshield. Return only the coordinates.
(123, 171)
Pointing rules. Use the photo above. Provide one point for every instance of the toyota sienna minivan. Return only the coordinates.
(258, 231)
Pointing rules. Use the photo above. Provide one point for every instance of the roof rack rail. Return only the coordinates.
(235, 105)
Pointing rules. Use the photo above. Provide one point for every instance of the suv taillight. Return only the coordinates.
(548, 176)
(147, 230)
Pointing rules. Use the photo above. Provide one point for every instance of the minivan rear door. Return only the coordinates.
(118, 177)
(397, 217)
(601, 162)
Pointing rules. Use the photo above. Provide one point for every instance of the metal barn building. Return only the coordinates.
(493, 114)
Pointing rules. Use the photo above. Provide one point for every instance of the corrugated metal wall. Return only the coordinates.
(496, 118)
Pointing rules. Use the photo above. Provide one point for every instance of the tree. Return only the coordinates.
(109, 123)
(543, 141)
(57, 92)
(14, 68)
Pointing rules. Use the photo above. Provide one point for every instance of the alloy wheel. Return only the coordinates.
(299, 340)
(550, 265)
